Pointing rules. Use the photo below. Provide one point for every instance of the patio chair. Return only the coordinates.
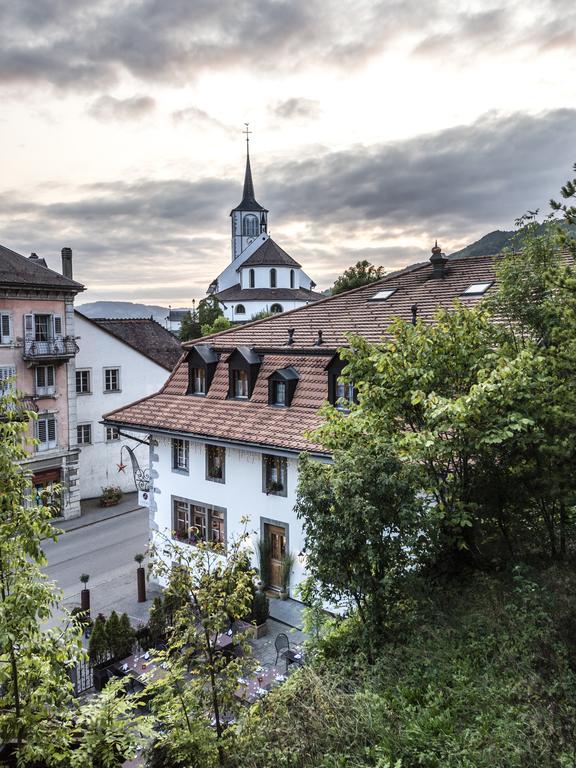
(282, 644)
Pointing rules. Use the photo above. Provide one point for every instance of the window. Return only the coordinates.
(180, 455)
(198, 381)
(111, 379)
(83, 382)
(5, 328)
(7, 378)
(477, 289)
(240, 309)
(215, 463)
(195, 522)
(46, 433)
(240, 379)
(275, 308)
(279, 392)
(84, 434)
(274, 471)
(383, 295)
(251, 278)
(250, 226)
(291, 278)
(272, 278)
(45, 380)
(344, 395)
(112, 433)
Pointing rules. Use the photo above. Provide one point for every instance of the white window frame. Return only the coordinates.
(108, 432)
(47, 444)
(180, 455)
(118, 381)
(46, 389)
(5, 328)
(81, 431)
(7, 372)
(84, 391)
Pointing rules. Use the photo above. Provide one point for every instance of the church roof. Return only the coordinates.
(236, 293)
(17, 271)
(269, 255)
(249, 202)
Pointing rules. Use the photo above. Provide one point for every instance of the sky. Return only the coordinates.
(377, 127)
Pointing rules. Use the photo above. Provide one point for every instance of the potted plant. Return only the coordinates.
(263, 552)
(288, 561)
(110, 496)
(85, 594)
(260, 613)
(140, 578)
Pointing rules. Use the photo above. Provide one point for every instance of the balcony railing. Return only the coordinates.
(57, 348)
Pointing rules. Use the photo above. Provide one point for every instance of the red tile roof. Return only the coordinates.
(256, 422)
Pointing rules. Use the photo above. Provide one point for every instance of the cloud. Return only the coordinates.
(201, 120)
(84, 45)
(167, 239)
(108, 108)
(296, 108)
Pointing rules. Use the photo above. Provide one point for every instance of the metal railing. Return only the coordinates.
(50, 349)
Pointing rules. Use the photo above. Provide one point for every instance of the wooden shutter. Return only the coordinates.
(41, 428)
(51, 430)
(7, 372)
(29, 326)
(50, 376)
(57, 325)
(41, 376)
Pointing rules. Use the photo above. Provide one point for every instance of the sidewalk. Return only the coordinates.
(92, 512)
(287, 612)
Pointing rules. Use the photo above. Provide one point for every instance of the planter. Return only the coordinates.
(259, 630)
(109, 502)
(284, 595)
(141, 582)
(85, 602)
(100, 674)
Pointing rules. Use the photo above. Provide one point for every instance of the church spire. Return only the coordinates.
(249, 219)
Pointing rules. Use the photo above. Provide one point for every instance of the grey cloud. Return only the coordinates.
(169, 238)
(200, 119)
(83, 45)
(107, 108)
(296, 108)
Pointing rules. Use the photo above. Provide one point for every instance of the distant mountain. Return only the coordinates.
(491, 243)
(124, 309)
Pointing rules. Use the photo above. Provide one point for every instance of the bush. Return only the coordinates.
(157, 623)
(98, 650)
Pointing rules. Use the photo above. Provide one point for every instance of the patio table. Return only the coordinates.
(294, 656)
(256, 686)
(142, 669)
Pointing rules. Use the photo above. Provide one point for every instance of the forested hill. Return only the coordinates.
(491, 243)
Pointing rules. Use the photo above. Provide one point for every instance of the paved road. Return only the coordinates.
(105, 551)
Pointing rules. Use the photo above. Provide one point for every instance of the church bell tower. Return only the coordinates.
(249, 219)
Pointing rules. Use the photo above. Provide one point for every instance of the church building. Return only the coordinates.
(261, 275)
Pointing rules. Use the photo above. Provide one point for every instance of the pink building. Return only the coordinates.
(37, 351)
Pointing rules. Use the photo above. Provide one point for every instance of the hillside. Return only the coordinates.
(124, 309)
(491, 243)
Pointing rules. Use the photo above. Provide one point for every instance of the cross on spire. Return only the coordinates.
(247, 133)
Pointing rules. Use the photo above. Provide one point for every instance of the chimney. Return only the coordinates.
(290, 336)
(319, 340)
(34, 256)
(438, 261)
(414, 313)
(67, 262)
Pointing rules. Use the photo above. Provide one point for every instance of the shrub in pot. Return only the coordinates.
(260, 613)
(110, 496)
(140, 578)
(288, 561)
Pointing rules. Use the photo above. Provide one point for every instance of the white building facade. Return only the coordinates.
(111, 372)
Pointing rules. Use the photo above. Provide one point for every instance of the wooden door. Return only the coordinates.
(277, 544)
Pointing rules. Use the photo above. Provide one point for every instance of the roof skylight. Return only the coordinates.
(477, 289)
(383, 295)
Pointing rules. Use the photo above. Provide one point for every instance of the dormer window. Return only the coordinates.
(243, 367)
(198, 381)
(202, 361)
(340, 393)
(240, 380)
(281, 386)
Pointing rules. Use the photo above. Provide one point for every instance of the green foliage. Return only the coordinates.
(220, 324)
(127, 637)
(157, 622)
(362, 273)
(264, 313)
(263, 555)
(35, 688)
(107, 730)
(190, 327)
(287, 566)
(209, 588)
(98, 650)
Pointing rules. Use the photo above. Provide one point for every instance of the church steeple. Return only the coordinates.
(249, 218)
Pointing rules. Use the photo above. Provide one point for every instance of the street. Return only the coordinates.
(105, 550)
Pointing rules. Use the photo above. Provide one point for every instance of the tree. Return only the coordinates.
(98, 650)
(190, 328)
(221, 323)
(35, 687)
(362, 273)
(211, 586)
